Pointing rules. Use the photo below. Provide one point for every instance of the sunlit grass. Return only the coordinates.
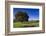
(26, 24)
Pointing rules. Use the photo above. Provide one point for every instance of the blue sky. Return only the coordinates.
(32, 12)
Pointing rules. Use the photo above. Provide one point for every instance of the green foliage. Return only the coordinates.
(26, 24)
(21, 16)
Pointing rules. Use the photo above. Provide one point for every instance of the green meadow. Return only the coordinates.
(34, 23)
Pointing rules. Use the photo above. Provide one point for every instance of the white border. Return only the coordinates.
(25, 29)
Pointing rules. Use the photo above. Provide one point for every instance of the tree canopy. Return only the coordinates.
(21, 16)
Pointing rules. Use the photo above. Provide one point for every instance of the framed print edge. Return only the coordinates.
(7, 18)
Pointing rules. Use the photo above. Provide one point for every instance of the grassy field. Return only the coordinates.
(26, 24)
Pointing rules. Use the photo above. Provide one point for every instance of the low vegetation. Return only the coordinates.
(26, 24)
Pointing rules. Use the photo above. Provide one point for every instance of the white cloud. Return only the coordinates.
(32, 19)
